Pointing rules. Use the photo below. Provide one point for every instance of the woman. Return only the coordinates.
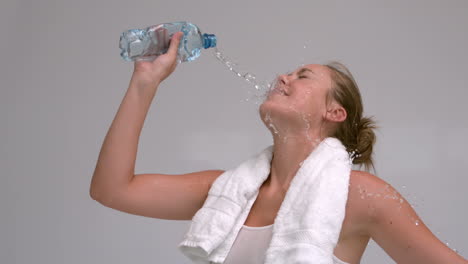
(305, 106)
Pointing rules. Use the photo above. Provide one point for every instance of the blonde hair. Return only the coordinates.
(356, 132)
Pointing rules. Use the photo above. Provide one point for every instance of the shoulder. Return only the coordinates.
(364, 177)
(366, 184)
(364, 188)
(392, 222)
(371, 199)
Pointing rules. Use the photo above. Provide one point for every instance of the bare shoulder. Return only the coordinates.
(365, 184)
(363, 187)
(364, 177)
(393, 224)
(368, 196)
(369, 187)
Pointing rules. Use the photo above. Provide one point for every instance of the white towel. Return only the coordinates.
(308, 224)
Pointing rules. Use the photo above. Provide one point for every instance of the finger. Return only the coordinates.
(175, 43)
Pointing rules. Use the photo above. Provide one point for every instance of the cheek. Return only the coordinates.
(307, 99)
(310, 105)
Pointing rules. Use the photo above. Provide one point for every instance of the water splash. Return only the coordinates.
(270, 123)
(262, 88)
(454, 249)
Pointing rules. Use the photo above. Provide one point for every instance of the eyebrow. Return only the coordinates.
(304, 70)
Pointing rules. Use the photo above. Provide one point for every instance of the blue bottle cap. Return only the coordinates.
(209, 41)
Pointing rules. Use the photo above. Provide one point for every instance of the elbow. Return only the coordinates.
(95, 190)
(92, 194)
(95, 193)
(103, 197)
(98, 197)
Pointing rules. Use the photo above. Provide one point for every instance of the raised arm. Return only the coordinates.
(116, 163)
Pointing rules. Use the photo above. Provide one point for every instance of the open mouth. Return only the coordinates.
(279, 90)
(277, 87)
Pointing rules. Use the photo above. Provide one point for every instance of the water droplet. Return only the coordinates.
(229, 64)
(249, 77)
(416, 222)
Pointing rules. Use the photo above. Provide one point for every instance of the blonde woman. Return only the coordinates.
(305, 106)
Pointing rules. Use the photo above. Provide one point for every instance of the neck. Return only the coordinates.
(288, 154)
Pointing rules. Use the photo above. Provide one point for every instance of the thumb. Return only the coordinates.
(174, 46)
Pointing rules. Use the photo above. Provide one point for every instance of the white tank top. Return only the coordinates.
(251, 244)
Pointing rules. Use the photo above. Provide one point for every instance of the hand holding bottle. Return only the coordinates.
(154, 72)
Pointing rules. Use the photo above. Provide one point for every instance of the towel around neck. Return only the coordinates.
(307, 226)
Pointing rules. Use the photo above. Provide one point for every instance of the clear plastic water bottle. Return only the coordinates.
(147, 44)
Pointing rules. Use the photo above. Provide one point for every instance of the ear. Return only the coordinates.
(336, 113)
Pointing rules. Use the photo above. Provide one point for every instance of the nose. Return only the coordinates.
(283, 79)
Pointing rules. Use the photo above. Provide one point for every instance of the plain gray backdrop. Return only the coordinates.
(63, 81)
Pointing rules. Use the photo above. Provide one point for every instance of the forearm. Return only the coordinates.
(116, 163)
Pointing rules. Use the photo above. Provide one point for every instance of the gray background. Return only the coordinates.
(63, 81)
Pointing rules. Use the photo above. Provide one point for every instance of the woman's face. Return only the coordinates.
(297, 100)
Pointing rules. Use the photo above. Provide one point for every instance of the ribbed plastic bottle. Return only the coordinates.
(147, 44)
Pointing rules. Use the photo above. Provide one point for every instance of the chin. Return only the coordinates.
(263, 109)
(268, 110)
